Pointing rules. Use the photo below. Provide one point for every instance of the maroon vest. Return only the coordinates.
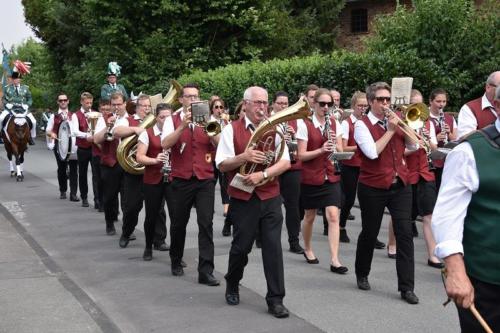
(297, 165)
(484, 116)
(380, 172)
(152, 173)
(196, 157)
(132, 122)
(83, 126)
(241, 136)
(58, 119)
(108, 153)
(317, 170)
(418, 165)
(96, 151)
(448, 119)
(355, 161)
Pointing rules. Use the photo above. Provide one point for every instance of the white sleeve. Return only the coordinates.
(460, 180)
(168, 127)
(121, 122)
(144, 138)
(365, 141)
(50, 124)
(75, 123)
(225, 148)
(101, 124)
(301, 130)
(339, 133)
(466, 121)
(345, 130)
(286, 153)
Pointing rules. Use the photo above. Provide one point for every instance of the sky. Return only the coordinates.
(13, 28)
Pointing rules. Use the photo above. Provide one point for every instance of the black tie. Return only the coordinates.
(17, 90)
(251, 127)
(383, 123)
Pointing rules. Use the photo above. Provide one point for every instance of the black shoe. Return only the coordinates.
(148, 255)
(123, 241)
(226, 230)
(177, 270)
(183, 264)
(97, 206)
(110, 230)
(339, 270)
(278, 310)
(85, 203)
(409, 296)
(391, 255)
(343, 236)
(258, 244)
(232, 298)
(350, 217)
(438, 265)
(101, 209)
(161, 247)
(63, 195)
(363, 283)
(311, 261)
(208, 279)
(296, 248)
(325, 231)
(379, 245)
(319, 212)
(74, 197)
(31, 141)
(132, 237)
(414, 229)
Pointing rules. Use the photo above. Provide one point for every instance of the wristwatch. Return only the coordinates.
(264, 173)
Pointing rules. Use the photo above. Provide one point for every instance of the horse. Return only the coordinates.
(16, 136)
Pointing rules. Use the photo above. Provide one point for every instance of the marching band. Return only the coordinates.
(304, 156)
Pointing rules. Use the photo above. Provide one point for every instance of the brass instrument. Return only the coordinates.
(125, 153)
(200, 116)
(92, 118)
(263, 136)
(109, 133)
(327, 133)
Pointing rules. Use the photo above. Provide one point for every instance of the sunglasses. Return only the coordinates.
(323, 104)
(383, 99)
(62, 100)
(218, 107)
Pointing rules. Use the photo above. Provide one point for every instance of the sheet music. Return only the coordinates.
(401, 90)
(237, 182)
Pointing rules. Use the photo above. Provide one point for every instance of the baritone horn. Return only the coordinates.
(92, 118)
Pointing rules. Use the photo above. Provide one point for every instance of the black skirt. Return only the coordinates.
(319, 196)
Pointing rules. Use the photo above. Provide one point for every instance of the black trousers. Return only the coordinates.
(155, 227)
(97, 180)
(181, 195)
(62, 175)
(112, 181)
(247, 217)
(398, 200)
(486, 300)
(223, 184)
(349, 181)
(290, 192)
(132, 202)
(438, 172)
(84, 159)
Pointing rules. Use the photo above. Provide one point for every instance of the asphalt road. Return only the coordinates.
(101, 287)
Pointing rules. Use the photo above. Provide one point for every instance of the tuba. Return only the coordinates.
(263, 136)
(125, 153)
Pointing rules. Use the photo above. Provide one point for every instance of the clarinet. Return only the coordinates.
(167, 166)
(442, 124)
(427, 147)
(328, 135)
(292, 143)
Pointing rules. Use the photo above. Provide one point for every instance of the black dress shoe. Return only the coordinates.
(343, 236)
(226, 230)
(177, 270)
(101, 209)
(379, 245)
(311, 261)
(63, 195)
(148, 255)
(296, 248)
(96, 205)
(414, 229)
(339, 270)
(258, 244)
(278, 310)
(161, 247)
(208, 279)
(350, 217)
(363, 283)
(409, 296)
(391, 255)
(85, 203)
(325, 231)
(74, 197)
(233, 298)
(438, 265)
(132, 237)
(110, 231)
(31, 142)
(123, 241)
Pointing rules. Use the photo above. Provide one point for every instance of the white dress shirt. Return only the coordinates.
(168, 125)
(303, 135)
(225, 148)
(345, 127)
(460, 180)
(101, 123)
(144, 137)
(50, 126)
(76, 125)
(467, 122)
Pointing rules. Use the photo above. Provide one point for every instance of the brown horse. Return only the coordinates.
(15, 138)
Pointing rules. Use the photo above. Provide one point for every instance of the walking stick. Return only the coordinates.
(472, 308)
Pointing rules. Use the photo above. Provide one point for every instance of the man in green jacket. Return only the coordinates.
(112, 85)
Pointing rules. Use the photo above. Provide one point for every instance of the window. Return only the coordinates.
(359, 20)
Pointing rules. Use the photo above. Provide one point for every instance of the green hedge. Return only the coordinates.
(342, 70)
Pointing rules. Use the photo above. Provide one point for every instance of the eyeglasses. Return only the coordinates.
(259, 102)
(362, 106)
(493, 85)
(282, 103)
(323, 104)
(191, 96)
(383, 99)
(218, 107)
(62, 100)
(145, 106)
(116, 105)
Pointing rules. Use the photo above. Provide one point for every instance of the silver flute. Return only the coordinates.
(442, 124)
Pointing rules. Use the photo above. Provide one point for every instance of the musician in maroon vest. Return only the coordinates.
(479, 112)
(350, 168)
(384, 182)
(259, 208)
(445, 125)
(290, 179)
(153, 157)
(192, 182)
(84, 144)
(320, 184)
(111, 171)
(52, 130)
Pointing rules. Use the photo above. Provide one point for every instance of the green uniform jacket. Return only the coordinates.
(107, 90)
(13, 97)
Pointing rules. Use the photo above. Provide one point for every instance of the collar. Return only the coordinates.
(83, 111)
(136, 117)
(316, 122)
(248, 122)
(353, 118)
(156, 130)
(124, 116)
(62, 111)
(373, 118)
(485, 104)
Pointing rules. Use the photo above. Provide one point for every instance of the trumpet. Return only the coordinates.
(200, 115)
(327, 133)
(109, 132)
